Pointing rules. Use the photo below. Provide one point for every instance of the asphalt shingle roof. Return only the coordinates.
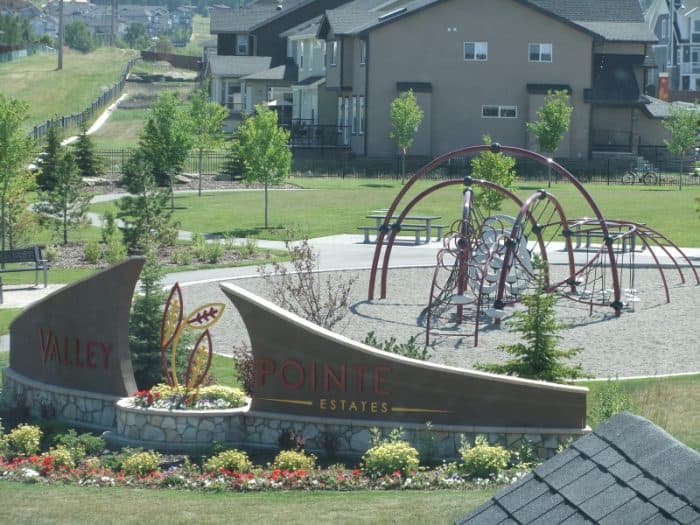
(614, 20)
(226, 20)
(627, 471)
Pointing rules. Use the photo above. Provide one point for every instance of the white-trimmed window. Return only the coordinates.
(353, 120)
(301, 55)
(539, 52)
(339, 118)
(334, 53)
(476, 51)
(695, 37)
(241, 44)
(361, 114)
(493, 111)
(363, 52)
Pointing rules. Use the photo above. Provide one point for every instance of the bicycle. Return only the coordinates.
(639, 176)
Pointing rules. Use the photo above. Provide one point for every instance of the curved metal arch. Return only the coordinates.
(520, 152)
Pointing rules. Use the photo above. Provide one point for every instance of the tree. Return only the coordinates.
(264, 148)
(137, 37)
(89, 164)
(496, 167)
(66, 203)
(165, 140)
(538, 356)
(406, 115)
(78, 36)
(144, 324)
(553, 119)
(21, 221)
(15, 153)
(683, 124)
(145, 212)
(50, 157)
(206, 120)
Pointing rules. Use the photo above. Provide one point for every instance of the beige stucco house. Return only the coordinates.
(484, 67)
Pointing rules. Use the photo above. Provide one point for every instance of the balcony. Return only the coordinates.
(614, 80)
(307, 134)
(690, 68)
(611, 140)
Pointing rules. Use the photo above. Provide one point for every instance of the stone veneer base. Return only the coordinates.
(74, 407)
(191, 430)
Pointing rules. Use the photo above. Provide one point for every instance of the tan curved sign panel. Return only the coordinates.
(78, 337)
(306, 370)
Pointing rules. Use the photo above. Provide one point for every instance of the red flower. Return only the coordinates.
(356, 472)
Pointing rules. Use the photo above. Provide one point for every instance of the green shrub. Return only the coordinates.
(233, 460)
(51, 252)
(182, 257)
(214, 252)
(62, 457)
(23, 440)
(293, 460)
(80, 445)
(389, 457)
(115, 251)
(483, 460)
(199, 246)
(608, 401)
(411, 348)
(250, 247)
(141, 463)
(93, 252)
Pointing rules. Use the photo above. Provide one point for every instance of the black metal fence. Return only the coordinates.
(76, 119)
(339, 162)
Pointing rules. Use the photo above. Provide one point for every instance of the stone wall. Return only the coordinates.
(188, 430)
(74, 407)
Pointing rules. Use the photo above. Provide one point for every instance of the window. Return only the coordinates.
(234, 101)
(363, 51)
(241, 44)
(499, 111)
(301, 55)
(339, 118)
(695, 37)
(334, 53)
(323, 54)
(539, 52)
(361, 114)
(354, 115)
(476, 50)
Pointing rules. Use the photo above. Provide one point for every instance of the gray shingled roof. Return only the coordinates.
(238, 66)
(307, 28)
(283, 72)
(225, 20)
(614, 20)
(627, 471)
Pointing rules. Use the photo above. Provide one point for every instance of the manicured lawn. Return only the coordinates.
(671, 402)
(51, 92)
(36, 504)
(332, 206)
(122, 129)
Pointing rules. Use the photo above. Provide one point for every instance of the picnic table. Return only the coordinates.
(414, 223)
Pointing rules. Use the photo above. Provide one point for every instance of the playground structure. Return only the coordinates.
(487, 262)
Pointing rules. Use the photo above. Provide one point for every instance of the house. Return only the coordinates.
(250, 36)
(660, 57)
(627, 471)
(687, 20)
(313, 106)
(471, 79)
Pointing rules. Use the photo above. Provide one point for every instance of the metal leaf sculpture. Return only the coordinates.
(174, 325)
(169, 330)
(200, 360)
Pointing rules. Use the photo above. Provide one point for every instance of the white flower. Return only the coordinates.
(29, 473)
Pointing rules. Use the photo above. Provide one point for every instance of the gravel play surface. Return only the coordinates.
(655, 338)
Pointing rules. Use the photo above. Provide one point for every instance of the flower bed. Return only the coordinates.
(43, 469)
(213, 397)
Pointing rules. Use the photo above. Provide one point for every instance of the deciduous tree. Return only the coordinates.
(263, 147)
(496, 167)
(15, 152)
(406, 115)
(166, 140)
(78, 36)
(683, 124)
(553, 119)
(206, 120)
(137, 37)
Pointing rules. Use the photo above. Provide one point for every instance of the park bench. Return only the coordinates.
(31, 254)
(417, 229)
